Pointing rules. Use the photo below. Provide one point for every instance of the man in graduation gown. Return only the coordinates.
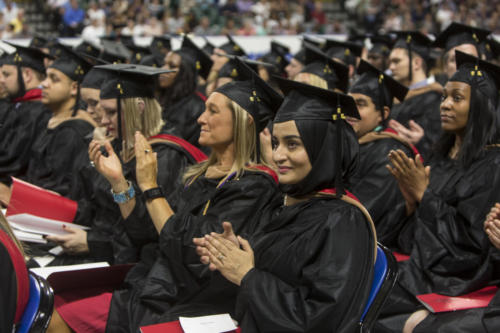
(26, 117)
(373, 184)
(417, 118)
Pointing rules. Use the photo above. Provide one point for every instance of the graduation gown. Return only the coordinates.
(313, 270)
(58, 154)
(449, 251)
(423, 106)
(375, 186)
(21, 125)
(171, 281)
(181, 118)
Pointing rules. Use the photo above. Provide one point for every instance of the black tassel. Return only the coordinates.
(410, 58)
(22, 88)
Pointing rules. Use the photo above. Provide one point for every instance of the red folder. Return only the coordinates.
(34, 200)
(170, 327)
(441, 303)
(400, 256)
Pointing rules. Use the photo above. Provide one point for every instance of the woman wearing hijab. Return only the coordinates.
(448, 200)
(181, 102)
(310, 269)
(228, 186)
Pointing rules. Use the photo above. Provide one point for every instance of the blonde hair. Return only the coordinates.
(149, 122)
(4, 225)
(244, 145)
(311, 79)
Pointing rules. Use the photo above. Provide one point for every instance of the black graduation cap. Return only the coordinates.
(458, 34)
(161, 44)
(230, 68)
(344, 51)
(154, 60)
(479, 74)
(88, 48)
(57, 49)
(309, 40)
(381, 88)
(333, 72)
(200, 59)
(232, 48)
(254, 95)
(27, 57)
(95, 78)
(39, 42)
(208, 47)
(413, 41)
(381, 44)
(72, 64)
(126, 81)
(306, 102)
(114, 52)
(127, 40)
(490, 48)
(277, 57)
(138, 53)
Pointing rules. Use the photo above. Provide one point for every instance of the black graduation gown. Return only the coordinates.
(377, 189)
(58, 154)
(449, 251)
(313, 270)
(171, 281)
(423, 106)
(181, 118)
(8, 290)
(21, 126)
(107, 239)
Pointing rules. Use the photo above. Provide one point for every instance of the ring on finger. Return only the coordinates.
(147, 151)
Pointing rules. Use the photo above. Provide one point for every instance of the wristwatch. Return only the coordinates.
(153, 193)
(124, 196)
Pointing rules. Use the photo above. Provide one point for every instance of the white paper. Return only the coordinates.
(40, 225)
(207, 324)
(43, 261)
(4, 211)
(46, 271)
(29, 237)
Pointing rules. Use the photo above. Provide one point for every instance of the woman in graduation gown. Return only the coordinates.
(181, 103)
(98, 209)
(309, 269)
(373, 184)
(446, 205)
(61, 149)
(228, 186)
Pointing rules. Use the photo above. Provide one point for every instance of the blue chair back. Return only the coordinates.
(384, 278)
(38, 311)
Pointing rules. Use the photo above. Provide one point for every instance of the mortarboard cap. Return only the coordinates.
(232, 48)
(26, 57)
(490, 48)
(479, 74)
(346, 52)
(458, 34)
(161, 44)
(277, 57)
(414, 40)
(114, 52)
(88, 48)
(208, 47)
(156, 60)
(381, 44)
(72, 64)
(199, 59)
(138, 52)
(39, 42)
(95, 78)
(318, 63)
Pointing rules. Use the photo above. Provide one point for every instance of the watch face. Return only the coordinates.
(153, 193)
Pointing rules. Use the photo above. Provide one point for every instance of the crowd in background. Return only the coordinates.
(71, 18)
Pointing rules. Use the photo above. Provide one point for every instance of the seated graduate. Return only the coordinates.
(133, 88)
(373, 184)
(22, 74)
(219, 60)
(180, 101)
(90, 90)
(296, 64)
(228, 186)
(61, 148)
(345, 52)
(278, 58)
(309, 269)
(323, 72)
(449, 251)
(14, 280)
(4, 95)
